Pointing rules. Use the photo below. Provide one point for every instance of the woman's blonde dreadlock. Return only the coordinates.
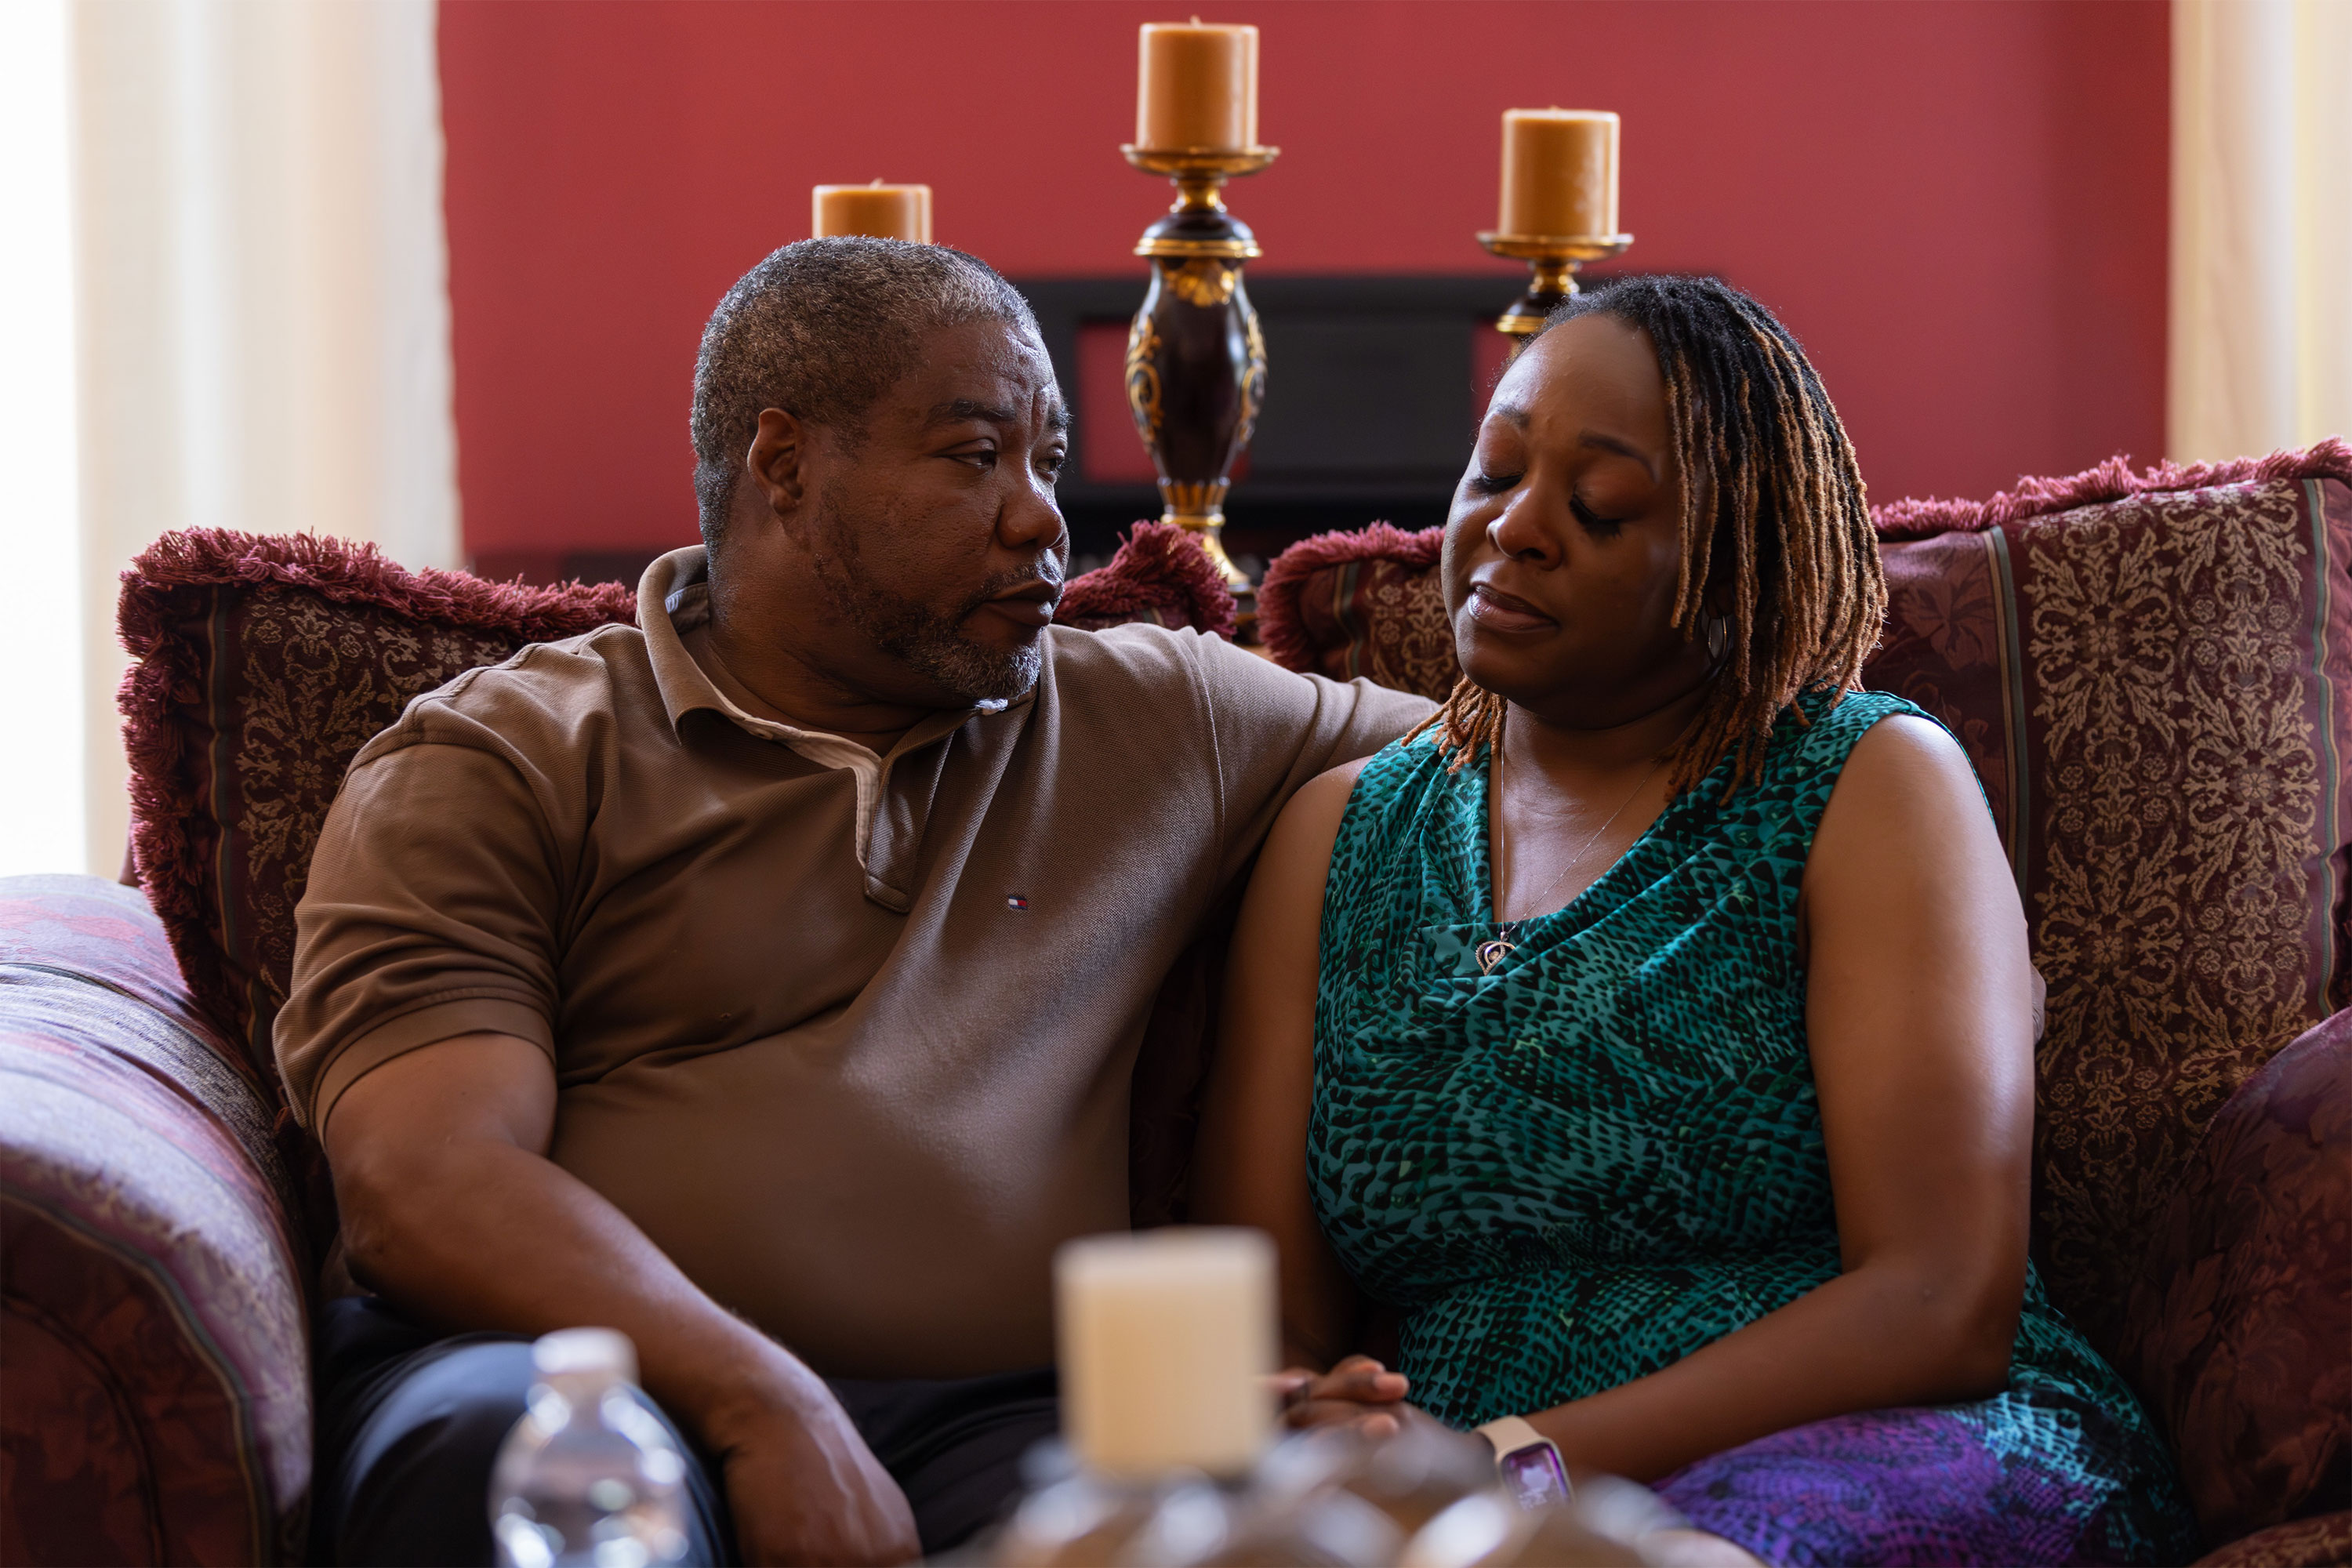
(1755, 434)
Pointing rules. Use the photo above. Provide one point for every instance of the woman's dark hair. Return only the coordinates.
(1773, 518)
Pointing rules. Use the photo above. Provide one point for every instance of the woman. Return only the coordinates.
(1653, 1035)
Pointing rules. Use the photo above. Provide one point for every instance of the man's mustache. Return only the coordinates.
(1010, 582)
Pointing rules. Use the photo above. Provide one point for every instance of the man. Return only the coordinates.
(765, 983)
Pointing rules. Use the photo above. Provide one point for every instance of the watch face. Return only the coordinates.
(1534, 1476)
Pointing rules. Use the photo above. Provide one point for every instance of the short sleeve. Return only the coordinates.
(1275, 730)
(432, 910)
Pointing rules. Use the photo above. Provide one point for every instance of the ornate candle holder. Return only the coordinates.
(1552, 261)
(1195, 357)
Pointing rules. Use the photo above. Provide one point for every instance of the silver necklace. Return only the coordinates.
(1505, 942)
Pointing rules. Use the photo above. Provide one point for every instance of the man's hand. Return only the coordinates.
(803, 1488)
(1359, 1391)
(452, 1210)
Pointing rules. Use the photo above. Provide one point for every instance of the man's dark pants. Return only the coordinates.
(410, 1421)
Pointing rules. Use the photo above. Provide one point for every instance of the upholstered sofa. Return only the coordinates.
(2153, 674)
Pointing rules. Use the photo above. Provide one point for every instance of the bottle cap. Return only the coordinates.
(573, 1351)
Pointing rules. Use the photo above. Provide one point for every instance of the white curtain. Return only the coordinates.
(41, 807)
(2261, 348)
(262, 300)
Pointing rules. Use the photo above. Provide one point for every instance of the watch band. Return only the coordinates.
(1512, 1433)
(1528, 1464)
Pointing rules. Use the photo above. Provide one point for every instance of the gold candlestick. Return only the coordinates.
(1195, 357)
(1552, 261)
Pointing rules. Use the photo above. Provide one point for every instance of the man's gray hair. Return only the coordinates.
(821, 329)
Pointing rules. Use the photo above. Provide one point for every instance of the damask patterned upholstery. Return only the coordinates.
(154, 1391)
(2239, 1329)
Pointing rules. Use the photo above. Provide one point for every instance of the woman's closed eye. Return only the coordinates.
(1485, 484)
(1593, 522)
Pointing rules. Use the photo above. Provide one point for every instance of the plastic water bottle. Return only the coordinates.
(589, 1477)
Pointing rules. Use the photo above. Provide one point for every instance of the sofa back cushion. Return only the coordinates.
(2152, 674)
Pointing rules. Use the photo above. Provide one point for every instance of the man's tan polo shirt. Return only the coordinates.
(849, 1038)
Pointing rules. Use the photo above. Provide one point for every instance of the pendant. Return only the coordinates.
(1491, 953)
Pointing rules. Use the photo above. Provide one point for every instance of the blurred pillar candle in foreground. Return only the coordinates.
(1166, 1340)
(885, 212)
(1197, 87)
(1559, 172)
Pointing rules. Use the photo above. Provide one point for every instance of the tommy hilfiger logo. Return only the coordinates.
(1015, 901)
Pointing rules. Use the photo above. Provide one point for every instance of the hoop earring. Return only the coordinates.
(1718, 632)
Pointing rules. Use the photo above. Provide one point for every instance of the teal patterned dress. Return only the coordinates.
(1608, 1153)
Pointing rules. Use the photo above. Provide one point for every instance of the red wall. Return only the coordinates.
(1959, 208)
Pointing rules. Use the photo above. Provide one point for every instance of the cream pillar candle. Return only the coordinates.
(1166, 1338)
(1196, 85)
(885, 212)
(1559, 172)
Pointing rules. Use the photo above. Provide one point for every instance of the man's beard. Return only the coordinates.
(927, 641)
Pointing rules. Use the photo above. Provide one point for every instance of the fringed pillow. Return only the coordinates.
(1365, 605)
(1160, 575)
(2239, 1331)
(262, 663)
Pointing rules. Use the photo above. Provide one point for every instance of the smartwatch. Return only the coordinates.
(1528, 1463)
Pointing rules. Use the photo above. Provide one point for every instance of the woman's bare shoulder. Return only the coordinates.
(1313, 815)
(1299, 851)
(1908, 770)
(1333, 786)
(1907, 812)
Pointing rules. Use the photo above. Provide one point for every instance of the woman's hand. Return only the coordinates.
(1359, 1391)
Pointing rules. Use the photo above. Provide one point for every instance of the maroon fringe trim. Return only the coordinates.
(1277, 597)
(1278, 625)
(1156, 562)
(167, 677)
(2110, 481)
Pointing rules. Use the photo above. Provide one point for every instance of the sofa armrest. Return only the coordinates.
(2322, 1540)
(154, 1342)
(2236, 1329)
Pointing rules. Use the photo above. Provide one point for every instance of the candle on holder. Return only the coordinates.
(1559, 172)
(884, 212)
(1166, 1338)
(1196, 87)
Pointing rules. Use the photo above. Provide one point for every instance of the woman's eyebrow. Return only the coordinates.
(1624, 448)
